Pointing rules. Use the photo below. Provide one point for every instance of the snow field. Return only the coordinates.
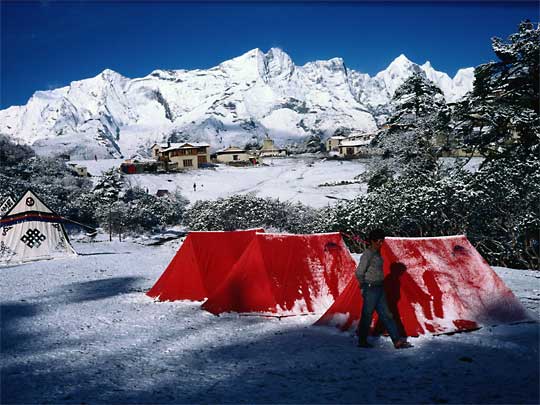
(289, 179)
(82, 330)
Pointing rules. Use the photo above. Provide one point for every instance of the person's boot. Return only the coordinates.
(402, 344)
(364, 343)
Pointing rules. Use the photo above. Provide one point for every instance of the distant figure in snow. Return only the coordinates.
(194, 186)
(370, 278)
(95, 158)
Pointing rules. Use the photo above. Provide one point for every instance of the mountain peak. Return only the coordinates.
(108, 73)
(276, 52)
(427, 65)
(401, 60)
(276, 63)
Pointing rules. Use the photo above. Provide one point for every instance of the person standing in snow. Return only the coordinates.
(194, 186)
(370, 276)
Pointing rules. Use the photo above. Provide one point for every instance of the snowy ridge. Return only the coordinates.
(239, 101)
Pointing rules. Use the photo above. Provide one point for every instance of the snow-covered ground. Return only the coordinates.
(295, 179)
(289, 179)
(82, 330)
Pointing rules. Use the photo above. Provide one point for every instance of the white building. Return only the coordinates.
(233, 154)
(354, 148)
(332, 143)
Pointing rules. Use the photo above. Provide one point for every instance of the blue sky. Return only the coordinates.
(48, 44)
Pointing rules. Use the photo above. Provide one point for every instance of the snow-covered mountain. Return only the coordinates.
(239, 101)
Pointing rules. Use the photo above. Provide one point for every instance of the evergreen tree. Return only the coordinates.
(412, 133)
(500, 118)
(108, 188)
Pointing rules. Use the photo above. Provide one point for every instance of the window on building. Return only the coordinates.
(188, 163)
(234, 157)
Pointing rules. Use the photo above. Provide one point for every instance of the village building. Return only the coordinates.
(350, 149)
(269, 149)
(179, 156)
(357, 146)
(136, 166)
(80, 171)
(235, 156)
(332, 143)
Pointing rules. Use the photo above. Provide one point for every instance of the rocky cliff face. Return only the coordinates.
(239, 101)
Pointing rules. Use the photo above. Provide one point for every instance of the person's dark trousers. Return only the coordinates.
(375, 300)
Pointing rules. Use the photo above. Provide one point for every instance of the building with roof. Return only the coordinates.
(358, 146)
(332, 143)
(179, 156)
(269, 149)
(235, 156)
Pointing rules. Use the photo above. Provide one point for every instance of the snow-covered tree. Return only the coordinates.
(109, 186)
(412, 135)
(11, 153)
(500, 118)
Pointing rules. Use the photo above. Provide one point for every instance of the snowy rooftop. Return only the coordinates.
(185, 145)
(338, 137)
(231, 149)
(359, 142)
(180, 144)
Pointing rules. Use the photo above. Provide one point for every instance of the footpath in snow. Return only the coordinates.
(82, 331)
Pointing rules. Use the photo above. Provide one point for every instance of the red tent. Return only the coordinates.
(201, 264)
(285, 274)
(433, 285)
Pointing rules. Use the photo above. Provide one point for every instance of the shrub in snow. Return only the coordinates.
(133, 210)
(247, 211)
(505, 219)
(427, 204)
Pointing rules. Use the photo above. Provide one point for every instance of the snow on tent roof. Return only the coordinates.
(285, 274)
(201, 263)
(32, 231)
(433, 285)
